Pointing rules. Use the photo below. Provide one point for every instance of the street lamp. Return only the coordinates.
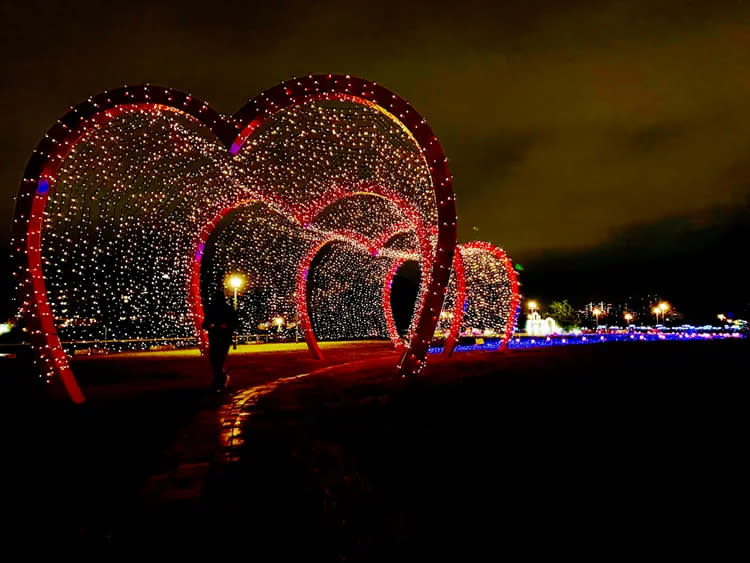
(532, 306)
(656, 310)
(628, 318)
(664, 307)
(236, 282)
(597, 311)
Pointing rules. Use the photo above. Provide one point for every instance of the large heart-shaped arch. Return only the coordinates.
(232, 132)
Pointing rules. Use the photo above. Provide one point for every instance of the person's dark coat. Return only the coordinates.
(220, 319)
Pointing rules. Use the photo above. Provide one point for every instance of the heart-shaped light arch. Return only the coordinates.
(232, 132)
(459, 271)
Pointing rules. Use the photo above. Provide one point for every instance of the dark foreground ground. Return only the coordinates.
(633, 449)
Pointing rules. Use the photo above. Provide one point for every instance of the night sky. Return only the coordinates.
(604, 145)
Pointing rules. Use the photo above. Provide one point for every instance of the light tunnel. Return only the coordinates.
(122, 194)
(482, 298)
(354, 240)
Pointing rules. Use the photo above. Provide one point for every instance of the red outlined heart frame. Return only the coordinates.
(458, 309)
(232, 132)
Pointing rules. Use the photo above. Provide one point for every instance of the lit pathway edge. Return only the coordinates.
(222, 437)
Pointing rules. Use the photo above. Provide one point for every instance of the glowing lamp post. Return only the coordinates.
(597, 311)
(278, 321)
(532, 306)
(628, 317)
(236, 282)
(662, 308)
(656, 312)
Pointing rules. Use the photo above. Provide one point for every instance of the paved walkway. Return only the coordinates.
(147, 439)
(209, 443)
(118, 376)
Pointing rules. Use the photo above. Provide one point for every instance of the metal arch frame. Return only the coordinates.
(458, 307)
(458, 311)
(303, 318)
(382, 242)
(387, 309)
(232, 132)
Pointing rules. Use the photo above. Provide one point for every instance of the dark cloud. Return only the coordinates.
(496, 156)
(654, 136)
(694, 261)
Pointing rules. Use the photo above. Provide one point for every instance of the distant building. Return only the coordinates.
(537, 326)
(605, 310)
(640, 307)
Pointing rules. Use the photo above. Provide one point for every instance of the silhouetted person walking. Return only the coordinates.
(220, 321)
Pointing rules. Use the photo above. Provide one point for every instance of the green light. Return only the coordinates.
(518, 267)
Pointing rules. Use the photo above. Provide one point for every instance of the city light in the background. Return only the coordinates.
(682, 335)
(660, 309)
(729, 320)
